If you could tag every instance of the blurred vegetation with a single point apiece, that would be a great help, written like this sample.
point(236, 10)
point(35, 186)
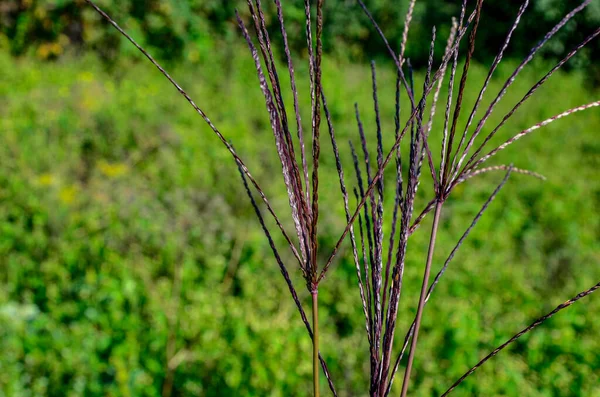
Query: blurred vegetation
point(131, 263)
point(192, 29)
point(130, 260)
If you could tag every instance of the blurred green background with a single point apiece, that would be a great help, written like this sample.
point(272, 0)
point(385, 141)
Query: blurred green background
point(131, 263)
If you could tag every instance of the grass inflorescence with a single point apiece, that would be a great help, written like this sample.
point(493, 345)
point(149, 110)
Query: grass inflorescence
point(379, 260)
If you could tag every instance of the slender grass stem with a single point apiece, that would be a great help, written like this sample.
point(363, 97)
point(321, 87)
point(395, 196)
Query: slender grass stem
point(413, 345)
point(315, 314)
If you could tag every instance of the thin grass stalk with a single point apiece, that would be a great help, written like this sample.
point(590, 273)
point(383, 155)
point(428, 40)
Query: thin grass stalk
point(417, 222)
point(276, 86)
point(413, 347)
point(368, 217)
point(371, 186)
point(367, 162)
point(533, 325)
point(414, 139)
point(398, 195)
point(418, 138)
point(407, 213)
point(315, 190)
point(417, 154)
point(198, 110)
point(379, 134)
point(370, 231)
point(378, 222)
point(315, 318)
point(464, 236)
point(281, 145)
point(399, 180)
point(398, 270)
point(372, 238)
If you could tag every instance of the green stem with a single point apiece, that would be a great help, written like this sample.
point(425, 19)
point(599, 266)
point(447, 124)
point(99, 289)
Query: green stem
point(424, 287)
point(315, 314)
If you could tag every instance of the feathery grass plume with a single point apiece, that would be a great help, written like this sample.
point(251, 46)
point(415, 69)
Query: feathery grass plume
point(409, 122)
point(294, 90)
point(284, 272)
point(407, 21)
point(501, 168)
point(303, 214)
point(529, 93)
point(283, 150)
point(449, 176)
point(462, 85)
point(379, 276)
point(514, 75)
point(488, 78)
point(450, 94)
point(423, 130)
point(436, 95)
point(304, 219)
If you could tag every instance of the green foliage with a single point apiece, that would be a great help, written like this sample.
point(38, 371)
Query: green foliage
point(190, 29)
point(129, 253)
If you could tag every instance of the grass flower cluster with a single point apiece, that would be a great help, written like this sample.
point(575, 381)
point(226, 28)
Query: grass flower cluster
point(444, 155)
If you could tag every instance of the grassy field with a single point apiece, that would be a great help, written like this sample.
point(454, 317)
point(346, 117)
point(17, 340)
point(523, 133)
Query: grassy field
point(131, 263)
